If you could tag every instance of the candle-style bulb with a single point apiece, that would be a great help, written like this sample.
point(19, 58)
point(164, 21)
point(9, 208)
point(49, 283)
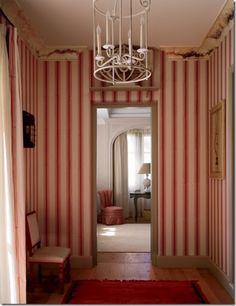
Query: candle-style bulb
point(108, 16)
point(98, 30)
point(141, 31)
point(129, 42)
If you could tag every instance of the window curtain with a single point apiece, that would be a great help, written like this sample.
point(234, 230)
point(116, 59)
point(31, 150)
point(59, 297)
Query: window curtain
point(12, 198)
point(135, 159)
point(120, 173)
point(136, 156)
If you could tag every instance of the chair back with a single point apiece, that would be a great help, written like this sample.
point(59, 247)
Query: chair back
point(105, 198)
point(32, 231)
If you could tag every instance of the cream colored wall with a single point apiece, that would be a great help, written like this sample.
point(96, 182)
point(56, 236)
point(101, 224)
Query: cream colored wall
point(106, 134)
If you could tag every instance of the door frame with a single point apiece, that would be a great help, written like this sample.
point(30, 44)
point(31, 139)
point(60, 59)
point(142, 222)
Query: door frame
point(154, 206)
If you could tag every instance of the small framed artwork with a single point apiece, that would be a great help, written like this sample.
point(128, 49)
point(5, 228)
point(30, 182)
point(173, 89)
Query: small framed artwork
point(217, 141)
point(28, 130)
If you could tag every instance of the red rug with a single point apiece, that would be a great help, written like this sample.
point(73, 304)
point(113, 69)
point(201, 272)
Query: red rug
point(135, 292)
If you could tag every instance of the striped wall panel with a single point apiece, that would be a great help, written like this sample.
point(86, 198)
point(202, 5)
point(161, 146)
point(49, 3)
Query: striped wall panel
point(63, 128)
point(193, 209)
point(220, 233)
point(29, 99)
point(183, 157)
point(57, 175)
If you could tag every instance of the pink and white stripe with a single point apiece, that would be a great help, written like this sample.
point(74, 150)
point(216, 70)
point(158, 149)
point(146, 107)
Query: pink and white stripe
point(193, 210)
point(220, 233)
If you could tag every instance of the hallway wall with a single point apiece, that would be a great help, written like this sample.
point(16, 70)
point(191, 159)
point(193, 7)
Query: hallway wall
point(193, 211)
point(220, 191)
point(183, 158)
point(57, 169)
point(29, 77)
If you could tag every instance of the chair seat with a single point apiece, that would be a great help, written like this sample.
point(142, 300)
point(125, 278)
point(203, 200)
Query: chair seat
point(112, 215)
point(50, 255)
point(112, 209)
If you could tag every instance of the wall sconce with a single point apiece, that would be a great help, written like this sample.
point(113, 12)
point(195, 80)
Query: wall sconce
point(28, 130)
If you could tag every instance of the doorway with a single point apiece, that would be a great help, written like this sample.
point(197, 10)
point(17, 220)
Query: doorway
point(116, 126)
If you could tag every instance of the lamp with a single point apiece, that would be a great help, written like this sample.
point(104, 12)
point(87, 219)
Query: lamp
point(146, 169)
point(116, 59)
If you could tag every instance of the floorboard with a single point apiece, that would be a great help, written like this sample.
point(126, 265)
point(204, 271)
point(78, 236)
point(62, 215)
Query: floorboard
point(135, 266)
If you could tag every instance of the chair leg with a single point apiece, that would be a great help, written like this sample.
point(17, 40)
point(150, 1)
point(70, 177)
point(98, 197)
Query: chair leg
point(67, 270)
point(31, 278)
point(61, 278)
point(40, 272)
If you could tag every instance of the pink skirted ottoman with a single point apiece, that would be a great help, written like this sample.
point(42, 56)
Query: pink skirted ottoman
point(112, 215)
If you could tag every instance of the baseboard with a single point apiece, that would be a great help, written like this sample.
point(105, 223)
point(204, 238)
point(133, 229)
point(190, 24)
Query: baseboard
point(196, 262)
point(222, 278)
point(182, 261)
point(81, 261)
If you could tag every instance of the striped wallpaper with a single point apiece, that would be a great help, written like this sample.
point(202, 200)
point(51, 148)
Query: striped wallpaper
point(193, 210)
point(183, 158)
point(220, 206)
point(29, 77)
point(56, 180)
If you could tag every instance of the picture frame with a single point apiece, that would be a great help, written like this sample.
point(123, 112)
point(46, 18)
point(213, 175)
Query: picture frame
point(28, 130)
point(217, 141)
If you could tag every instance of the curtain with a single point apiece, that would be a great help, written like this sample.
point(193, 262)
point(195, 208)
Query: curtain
point(131, 149)
point(12, 217)
point(18, 161)
point(135, 159)
point(139, 151)
point(120, 173)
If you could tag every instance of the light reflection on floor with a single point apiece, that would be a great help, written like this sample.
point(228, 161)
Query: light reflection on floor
point(123, 238)
point(111, 231)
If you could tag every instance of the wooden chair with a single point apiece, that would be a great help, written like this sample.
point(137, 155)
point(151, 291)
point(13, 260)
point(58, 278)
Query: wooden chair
point(110, 214)
point(38, 255)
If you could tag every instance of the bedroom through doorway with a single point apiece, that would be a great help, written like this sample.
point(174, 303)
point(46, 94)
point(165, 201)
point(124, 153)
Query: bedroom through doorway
point(124, 146)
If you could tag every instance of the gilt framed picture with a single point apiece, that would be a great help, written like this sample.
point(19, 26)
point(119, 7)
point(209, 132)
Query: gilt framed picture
point(217, 141)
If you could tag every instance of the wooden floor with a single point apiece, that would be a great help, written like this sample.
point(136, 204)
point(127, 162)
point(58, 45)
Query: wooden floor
point(128, 266)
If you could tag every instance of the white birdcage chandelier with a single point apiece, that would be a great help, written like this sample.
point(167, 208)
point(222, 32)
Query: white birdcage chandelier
point(117, 59)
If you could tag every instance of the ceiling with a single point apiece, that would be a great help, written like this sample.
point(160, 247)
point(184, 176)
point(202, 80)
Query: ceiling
point(172, 23)
point(137, 112)
point(105, 114)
